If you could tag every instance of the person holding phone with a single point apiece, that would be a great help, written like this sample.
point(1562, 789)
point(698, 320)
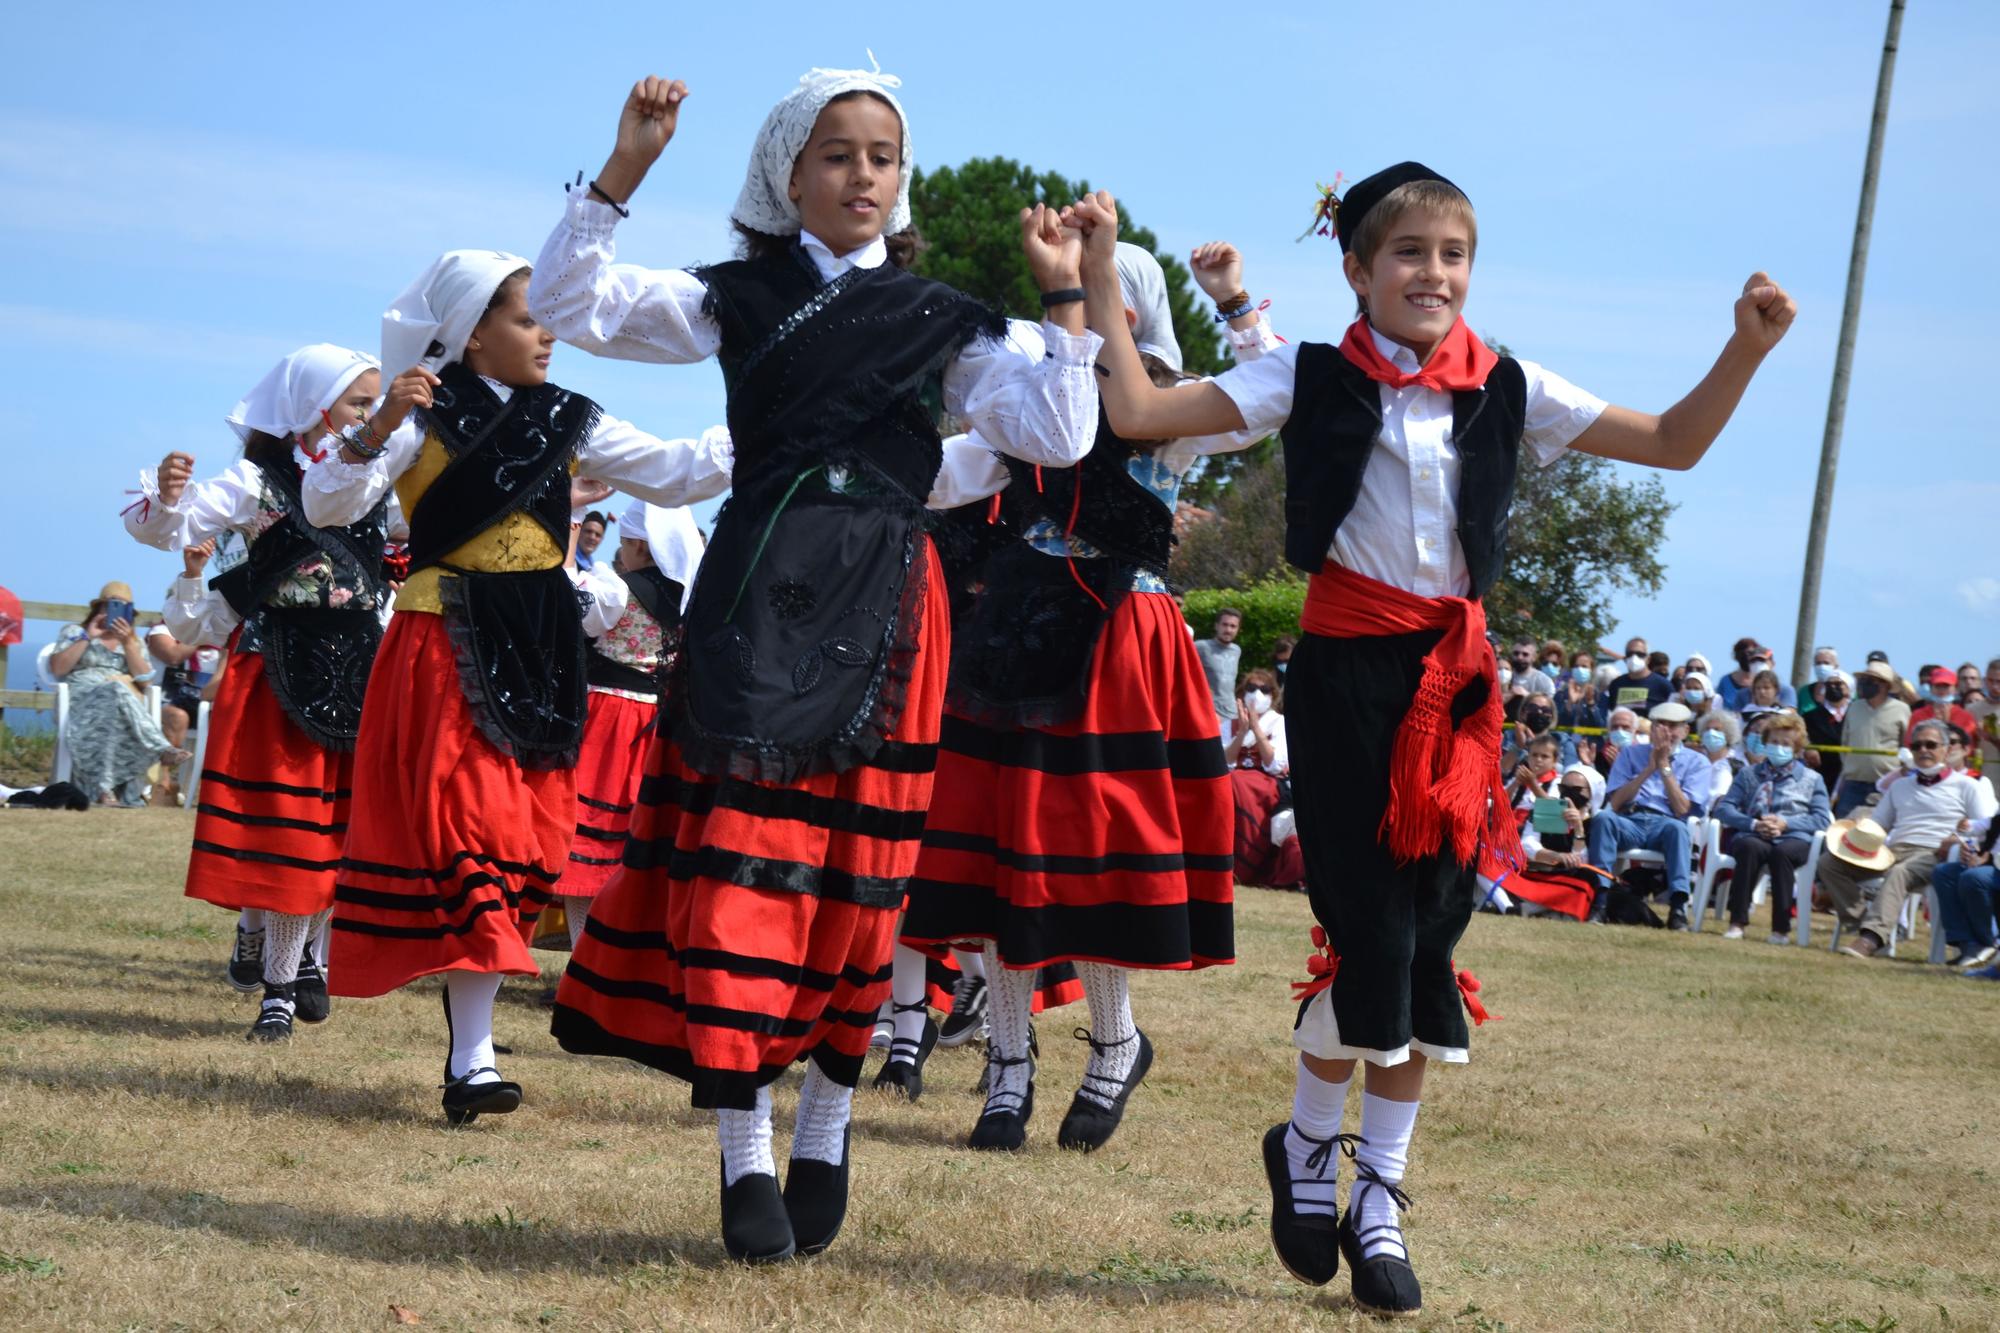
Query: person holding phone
point(113, 741)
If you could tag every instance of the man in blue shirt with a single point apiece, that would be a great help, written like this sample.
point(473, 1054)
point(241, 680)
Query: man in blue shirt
point(1653, 787)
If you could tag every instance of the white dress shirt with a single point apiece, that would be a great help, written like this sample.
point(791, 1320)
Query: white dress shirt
point(1403, 529)
point(1033, 394)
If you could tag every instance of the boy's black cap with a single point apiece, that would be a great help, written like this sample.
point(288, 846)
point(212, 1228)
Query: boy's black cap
point(1364, 194)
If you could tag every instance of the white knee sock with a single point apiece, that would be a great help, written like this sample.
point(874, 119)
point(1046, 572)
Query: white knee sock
point(820, 1132)
point(321, 942)
point(469, 1016)
point(746, 1140)
point(1318, 1107)
point(1114, 1040)
point(906, 992)
point(284, 939)
point(576, 911)
point(1009, 1010)
point(1386, 1128)
point(251, 920)
point(969, 963)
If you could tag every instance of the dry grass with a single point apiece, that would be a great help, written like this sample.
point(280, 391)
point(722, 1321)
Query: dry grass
point(1661, 1133)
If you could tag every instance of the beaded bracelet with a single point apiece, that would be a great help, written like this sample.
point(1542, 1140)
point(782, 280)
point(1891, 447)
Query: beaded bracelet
point(1241, 307)
point(352, 439)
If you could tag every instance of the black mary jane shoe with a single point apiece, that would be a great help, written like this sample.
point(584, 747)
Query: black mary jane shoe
point(903, 1071)
point(1384, 1285)
point(816, 1197)
point(1089, 1126)
point(309, 991)
point(274, 1019)
point(1308, 1244)
point(1003, 1127)
point(465, 1101)
point(755, 1227)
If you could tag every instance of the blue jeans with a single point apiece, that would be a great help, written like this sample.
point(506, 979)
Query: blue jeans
point(1851, 797)
point(1611, 833)
point(1965, 900)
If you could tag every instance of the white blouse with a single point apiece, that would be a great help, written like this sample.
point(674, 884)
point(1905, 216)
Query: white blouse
point(608, 597)
point(194, 615)
point(1403, 529)
point(1033, 394)
point(666, 472)
point(227, 502)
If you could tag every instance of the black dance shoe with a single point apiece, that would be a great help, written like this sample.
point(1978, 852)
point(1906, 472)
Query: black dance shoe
point(1003, 1124)
point(903, 1072)
point(310, 992)
point(755, 1227)
point(465, 1101)
point(1308, 1244)
point(1385, 1284)
point(816, 1198)
point(1088, 1126)
point(274, 1020)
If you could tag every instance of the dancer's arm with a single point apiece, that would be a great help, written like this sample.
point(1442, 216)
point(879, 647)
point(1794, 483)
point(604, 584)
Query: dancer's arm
point(670, 473)
point(173, 513)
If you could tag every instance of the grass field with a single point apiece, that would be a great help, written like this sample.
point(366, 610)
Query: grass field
point(1661, 1132)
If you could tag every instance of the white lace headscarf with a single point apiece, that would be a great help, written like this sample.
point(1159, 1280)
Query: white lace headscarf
point(289, 399)
point(1144, 285)
point(766, 203)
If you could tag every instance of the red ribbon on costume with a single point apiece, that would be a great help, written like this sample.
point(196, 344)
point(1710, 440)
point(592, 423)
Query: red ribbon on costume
point(1468, 991)
point(1444, 783)
point(1323, 965)
point(1461, 361)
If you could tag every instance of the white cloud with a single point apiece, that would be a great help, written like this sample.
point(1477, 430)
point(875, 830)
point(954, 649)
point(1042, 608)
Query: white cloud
point(1981, 595)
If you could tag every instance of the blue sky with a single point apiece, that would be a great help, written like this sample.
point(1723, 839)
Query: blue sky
point(188, 192)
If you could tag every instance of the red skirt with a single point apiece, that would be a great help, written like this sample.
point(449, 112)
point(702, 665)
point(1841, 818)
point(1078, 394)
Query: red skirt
point(609, 765)
point(752, 922)
point(453, 848)
point(1259, 860)
point(273, 807)
point(1108, 839)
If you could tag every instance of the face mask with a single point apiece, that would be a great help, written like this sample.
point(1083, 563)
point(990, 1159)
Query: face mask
point(1928, 769)
point(1618, 736)
point(1636, 663)
point(1759, 664)
point(1870, 687)
point(1581, 675)
point(1754, 746)
point(1506, 677)
point(1259, 701)
point(1553, 666)
point(1713, 741)
point(1279, 669)
point(1777, 756)
point(1942, 698)
point(1694, 696)
point(1538, 718)
point(1823, 671)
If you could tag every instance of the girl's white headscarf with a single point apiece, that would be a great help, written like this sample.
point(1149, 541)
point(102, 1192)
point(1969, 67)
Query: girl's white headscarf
point(671, 536)
point(766, 204)
point(1144, 285)
point(290, 398)
point(430, 322)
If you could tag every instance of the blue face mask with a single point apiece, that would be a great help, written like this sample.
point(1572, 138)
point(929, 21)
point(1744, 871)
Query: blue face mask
point(1694, 696)
point(1777, 756)
point(1754, 746)
point(1581, 675)
point(1713, 740)
point(1618, 736)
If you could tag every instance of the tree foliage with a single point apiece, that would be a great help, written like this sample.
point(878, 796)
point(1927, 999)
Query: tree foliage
point(1243, 539)
point(1270, 608)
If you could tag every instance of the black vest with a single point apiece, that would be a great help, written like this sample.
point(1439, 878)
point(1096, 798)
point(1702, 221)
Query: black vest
point(1336, 419)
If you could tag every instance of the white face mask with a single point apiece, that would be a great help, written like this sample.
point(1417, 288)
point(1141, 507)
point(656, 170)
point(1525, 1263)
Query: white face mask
point(1823, 671)
point(1928, 769)
point(1259, 701)
point(1506, 676)
point(1636, 663)
point(1618, 737)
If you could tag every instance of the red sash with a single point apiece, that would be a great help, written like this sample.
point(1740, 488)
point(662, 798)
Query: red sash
point(1444, 784)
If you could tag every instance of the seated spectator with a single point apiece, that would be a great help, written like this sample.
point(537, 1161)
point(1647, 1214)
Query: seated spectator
point(1696, 694)
point(1752, 660)
point(1771, 812)
point(1621, 729)
point(1767, 694)
point(1555, 877)
point(1915, 824)
point(1872, 731)
point(1653, 788)
point(1537, 717)
point(1259, 764)
point(1521, 659)
point(1576, 695)
point(1555, 659)
point(1534, 777)
point(1967, 891)
point(1828, 699)
point(113, 740)
point(180, 693)
point(1643, 687)
point(1258, 739)
point(1826, 665)
point(1940, 701)
point(1281, 659)
point(1720, 736)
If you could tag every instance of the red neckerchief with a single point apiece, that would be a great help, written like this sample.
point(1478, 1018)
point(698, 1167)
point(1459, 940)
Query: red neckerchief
point(1461, 361)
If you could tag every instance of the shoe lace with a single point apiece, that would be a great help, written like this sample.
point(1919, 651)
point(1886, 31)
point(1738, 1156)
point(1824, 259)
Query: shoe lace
point(1323, 1150)
point(998, 1100)
point(962, 992)
point(904, 1049)
point(1366, 1177)
point(1109, 1087)
point(250, 946)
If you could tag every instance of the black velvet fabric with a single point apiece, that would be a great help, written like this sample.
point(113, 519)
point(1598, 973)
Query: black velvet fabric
point(1116, 515)
point(1024, 657)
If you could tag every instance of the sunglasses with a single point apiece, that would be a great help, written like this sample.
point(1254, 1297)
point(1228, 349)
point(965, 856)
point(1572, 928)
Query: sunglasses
point(1925, 745)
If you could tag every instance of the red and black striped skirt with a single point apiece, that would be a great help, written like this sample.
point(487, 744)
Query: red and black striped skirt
point(1108, 839)
point(273, 806)
point(452, 847)
point(609, 764)
point(752, 922)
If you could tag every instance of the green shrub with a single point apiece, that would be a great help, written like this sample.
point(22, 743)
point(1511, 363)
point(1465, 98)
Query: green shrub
point(1270, 608)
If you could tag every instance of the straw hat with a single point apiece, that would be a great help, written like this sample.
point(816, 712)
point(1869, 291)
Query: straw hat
point(1859, 842)
point(1881, 671)
point(121, 591)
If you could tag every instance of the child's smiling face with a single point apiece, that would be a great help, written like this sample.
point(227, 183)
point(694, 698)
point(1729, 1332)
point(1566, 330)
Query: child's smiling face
point(847, 179)
point(1415, 285)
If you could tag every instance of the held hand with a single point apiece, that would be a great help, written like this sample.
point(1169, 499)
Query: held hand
point(1097, 216)
point(176, 469)
point(1218, 269)
point(1764, 312)
point(587, 491)
point(647, 122)
point(408, 390)
point(1054, 252)
point(195, 558)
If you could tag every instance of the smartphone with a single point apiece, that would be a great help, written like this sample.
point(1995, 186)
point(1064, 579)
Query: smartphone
point(1547, 815)
point(117, 608)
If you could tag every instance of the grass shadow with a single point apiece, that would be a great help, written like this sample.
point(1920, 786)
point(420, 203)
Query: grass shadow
point(130, 1023)
point(266, 1093)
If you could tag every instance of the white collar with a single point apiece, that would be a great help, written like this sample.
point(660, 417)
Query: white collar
point(872, 255)
point(504, 392)
point(1399, 356)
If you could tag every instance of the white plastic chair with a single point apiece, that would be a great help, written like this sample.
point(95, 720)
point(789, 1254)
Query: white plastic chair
point(51, 681)
point(1637, 856)
point(1906, 920)
point(191, 770)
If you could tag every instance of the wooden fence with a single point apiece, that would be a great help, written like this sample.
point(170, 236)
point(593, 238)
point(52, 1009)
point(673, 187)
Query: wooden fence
point(62, 613)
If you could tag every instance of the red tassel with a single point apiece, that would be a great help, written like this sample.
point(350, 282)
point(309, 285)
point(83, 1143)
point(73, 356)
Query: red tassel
point(1322, 966)
point(993, 510)
point(1468, 991)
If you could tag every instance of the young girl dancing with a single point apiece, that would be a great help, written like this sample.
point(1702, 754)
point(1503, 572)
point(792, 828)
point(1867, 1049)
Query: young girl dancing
point(1083, 810)
point(277, 776)
point(752, 923)
point(465, 798)
point(1401, 447)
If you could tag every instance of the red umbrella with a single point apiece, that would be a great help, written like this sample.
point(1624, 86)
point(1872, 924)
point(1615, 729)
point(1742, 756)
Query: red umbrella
point(10, 618)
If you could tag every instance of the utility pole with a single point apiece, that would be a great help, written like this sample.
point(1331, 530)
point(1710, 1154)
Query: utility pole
point(1843, 360)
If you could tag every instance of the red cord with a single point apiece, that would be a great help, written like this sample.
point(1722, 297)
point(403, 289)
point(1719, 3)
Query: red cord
point(1075, 506)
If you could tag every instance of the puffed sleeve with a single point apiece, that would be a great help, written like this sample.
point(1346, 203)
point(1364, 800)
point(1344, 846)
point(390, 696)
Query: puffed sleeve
point(608, 597)
point(336, 492)
point(971, 471)
point(195, 615)
point(670, 473)
point(223, 503)
point(1032, 394)
point(584, 297)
